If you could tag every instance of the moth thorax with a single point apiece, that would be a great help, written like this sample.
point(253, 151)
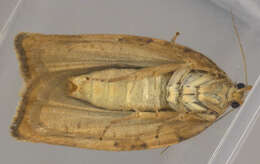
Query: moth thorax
point(197, 91)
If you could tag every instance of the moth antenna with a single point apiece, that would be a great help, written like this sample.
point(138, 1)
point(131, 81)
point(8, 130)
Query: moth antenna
point(241, 48)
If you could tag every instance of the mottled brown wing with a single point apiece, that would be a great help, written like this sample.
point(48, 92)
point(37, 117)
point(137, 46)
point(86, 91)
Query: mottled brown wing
point(40, 53)
point(47, 114)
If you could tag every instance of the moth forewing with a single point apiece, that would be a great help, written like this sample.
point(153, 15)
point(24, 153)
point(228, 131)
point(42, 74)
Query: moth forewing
point(85, 90)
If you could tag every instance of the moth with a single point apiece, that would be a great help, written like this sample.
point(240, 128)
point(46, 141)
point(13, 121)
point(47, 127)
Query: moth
point(117, 92)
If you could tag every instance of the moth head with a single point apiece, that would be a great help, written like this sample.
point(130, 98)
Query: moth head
point(237, 94)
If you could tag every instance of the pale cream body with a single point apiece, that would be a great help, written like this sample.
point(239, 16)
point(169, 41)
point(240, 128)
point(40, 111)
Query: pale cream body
point(147, 94)
point(183, 91)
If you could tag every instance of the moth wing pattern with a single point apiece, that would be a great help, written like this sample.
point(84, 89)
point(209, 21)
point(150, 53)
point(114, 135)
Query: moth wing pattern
point(47, 114)
point(41, 53)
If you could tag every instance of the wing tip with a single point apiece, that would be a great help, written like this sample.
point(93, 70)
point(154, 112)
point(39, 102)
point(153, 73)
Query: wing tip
point(19, 115)
point(14, 128)
point(21, 55)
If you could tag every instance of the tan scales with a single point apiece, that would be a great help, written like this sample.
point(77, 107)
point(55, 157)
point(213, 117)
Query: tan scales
point(117, 92)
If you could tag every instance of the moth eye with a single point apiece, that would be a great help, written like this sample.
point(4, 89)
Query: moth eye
point(240, 85)
point(235, 104)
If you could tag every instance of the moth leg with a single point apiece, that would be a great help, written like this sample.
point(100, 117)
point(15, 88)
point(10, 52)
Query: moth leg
point(173, 41)
point(132, 116)
point(150, 71)
point(164, 150)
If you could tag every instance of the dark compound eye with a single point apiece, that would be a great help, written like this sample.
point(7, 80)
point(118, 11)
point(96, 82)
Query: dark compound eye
point(240, 85)
point(235, 104)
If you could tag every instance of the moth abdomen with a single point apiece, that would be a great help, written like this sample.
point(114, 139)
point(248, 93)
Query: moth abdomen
point(147, 94)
